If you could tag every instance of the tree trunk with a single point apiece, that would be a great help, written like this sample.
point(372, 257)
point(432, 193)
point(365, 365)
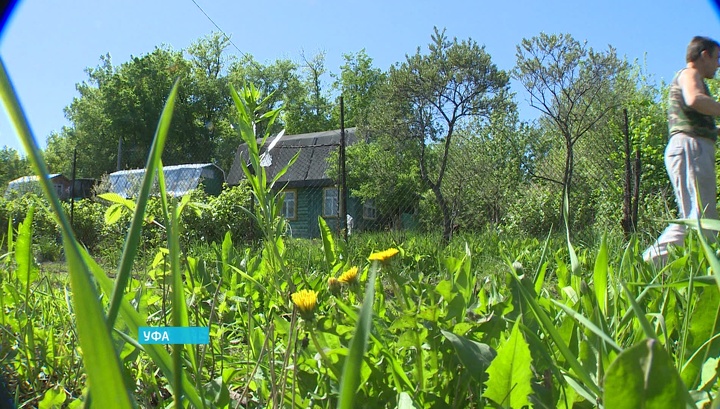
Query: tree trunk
point(627, 221)
point(567, 182)
point(447, 217)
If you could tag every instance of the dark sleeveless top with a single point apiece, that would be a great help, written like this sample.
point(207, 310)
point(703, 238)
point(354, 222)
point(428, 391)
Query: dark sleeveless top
point(683, 119)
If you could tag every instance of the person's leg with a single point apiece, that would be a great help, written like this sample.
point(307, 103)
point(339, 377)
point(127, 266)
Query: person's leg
point(679, 158)
point(704, 176)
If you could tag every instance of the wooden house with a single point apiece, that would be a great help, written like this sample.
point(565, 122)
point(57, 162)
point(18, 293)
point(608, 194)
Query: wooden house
point(309, 190)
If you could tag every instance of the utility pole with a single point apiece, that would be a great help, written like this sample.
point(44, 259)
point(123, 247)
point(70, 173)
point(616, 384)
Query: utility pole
point(343, 183)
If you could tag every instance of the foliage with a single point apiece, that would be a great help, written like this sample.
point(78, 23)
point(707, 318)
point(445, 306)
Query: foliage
point(12, 166)
point(572, 85)
point(358, 83)
point(428, 98)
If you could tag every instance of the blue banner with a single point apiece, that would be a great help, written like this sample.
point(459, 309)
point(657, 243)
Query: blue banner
point(174, 335)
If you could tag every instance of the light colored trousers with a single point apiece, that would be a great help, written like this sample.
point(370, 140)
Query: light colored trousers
point(689, 161)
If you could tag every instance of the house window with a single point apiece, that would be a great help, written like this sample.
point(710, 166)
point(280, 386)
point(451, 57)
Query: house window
point(289, 208)
point(331, 205)
point(369, 210)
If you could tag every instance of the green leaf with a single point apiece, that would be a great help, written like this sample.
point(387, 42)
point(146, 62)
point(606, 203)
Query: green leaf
point(113, 213)
point(405, 401)
point(117, 199)
point(704, 323)
point(476, 357)
point(352, 368)
point(328, 243)
point(639, 313)
point(643, 376)
point(600, 276)
point(554, 334)
point(510, 373)
point(53, 398)
point(26, 272)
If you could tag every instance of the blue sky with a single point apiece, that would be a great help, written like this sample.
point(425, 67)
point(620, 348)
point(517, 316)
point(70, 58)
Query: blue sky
point(47, 44)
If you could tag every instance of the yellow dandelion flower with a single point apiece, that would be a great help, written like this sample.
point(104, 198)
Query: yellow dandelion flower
point(305, 300)
point(349, 276)
point(333, 284)
point(383, 255)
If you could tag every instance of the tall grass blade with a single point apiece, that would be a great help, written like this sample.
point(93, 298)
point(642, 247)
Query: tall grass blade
point(353, 363)
point(134, 321)
point(132, 242)
point(551, 330)
point(102, 364)
point(574, 262)
point(587, 323)
point(328, 244)
point(639, 313)
point(542, 267)
point(23, 252)
point(600, 276)
point(709, 253)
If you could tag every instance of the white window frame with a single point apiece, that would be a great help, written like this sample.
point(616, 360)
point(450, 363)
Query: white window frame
point(335, 204)
point(369, 210)
point(286, 205)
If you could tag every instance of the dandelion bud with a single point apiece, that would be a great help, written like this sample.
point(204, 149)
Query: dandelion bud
point(333, 285)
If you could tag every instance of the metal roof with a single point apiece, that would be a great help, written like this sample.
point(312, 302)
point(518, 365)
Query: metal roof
point(311, 166)
point(179, 179)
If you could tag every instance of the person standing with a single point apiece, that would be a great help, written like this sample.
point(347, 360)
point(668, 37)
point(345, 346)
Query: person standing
point(690, 152)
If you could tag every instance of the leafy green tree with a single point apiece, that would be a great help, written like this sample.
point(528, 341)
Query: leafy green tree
point(566, 81)
point(118, 110)
point(388, 176)
point(12, 166)
point(210, 99)
point(429, 97)
point(486, 171)
point(311, 110)
point(279, 82)
point(358, 83)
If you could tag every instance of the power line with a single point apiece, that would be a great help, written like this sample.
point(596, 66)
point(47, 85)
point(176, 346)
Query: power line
point(221, 30)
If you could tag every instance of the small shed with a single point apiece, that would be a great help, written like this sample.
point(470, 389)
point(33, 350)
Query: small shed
point(309, 191)
point(84, 187)
point(179, 180)
point(31, 184)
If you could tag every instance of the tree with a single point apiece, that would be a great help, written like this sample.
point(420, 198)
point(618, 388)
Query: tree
point(566, 80)
point(428, 97)
point(380, 173)
point(486, 172)
point(310, 110)
point(279, 82)
point(210, 100)
point(118, 111)
point(358, 84)
point(12, 166)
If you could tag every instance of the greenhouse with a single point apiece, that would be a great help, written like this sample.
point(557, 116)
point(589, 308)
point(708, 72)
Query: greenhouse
point(179, 180)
